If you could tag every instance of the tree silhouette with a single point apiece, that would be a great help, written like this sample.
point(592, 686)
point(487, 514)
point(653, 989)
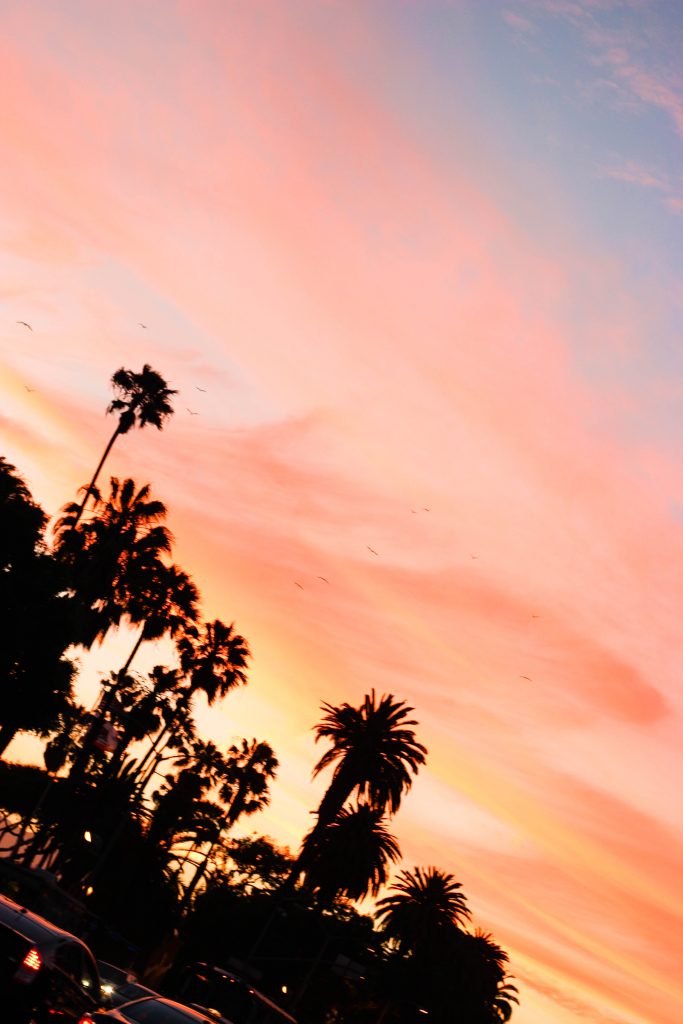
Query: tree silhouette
point(351, 856)
point(139, 399)
point(246, 775)
point(374, 751)
point(214, 659)
point(113, 557)
point(37, 618)
point(421, 906)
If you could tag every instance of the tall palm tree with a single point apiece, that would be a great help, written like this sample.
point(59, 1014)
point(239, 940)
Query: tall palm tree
point(143, 707)
point(139, 399)
point(168, 606)
point(374, 751)
point(214, 660)
point(112, 555)
point(375, 754)
point(421, 906)
point(351, 856)
point(249, 768)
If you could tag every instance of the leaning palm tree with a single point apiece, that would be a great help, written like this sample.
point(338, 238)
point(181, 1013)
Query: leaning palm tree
point(422, 905)
point(139, 399)
point(213, 659)
point(351, 856)
point(141, 711)
point(375, 754)
point(165, 601)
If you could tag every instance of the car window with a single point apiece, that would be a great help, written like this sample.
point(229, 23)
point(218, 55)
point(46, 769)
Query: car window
point(152, 1011)
point(68, 960)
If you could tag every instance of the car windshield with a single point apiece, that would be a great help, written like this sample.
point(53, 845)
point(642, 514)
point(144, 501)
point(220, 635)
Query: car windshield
point(153, 1011)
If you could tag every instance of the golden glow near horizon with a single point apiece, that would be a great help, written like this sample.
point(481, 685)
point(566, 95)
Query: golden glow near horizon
point(415, 273)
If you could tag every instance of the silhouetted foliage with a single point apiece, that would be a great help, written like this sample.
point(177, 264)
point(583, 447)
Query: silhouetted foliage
point(36, 614)
point(135, 850)
point(139, 399)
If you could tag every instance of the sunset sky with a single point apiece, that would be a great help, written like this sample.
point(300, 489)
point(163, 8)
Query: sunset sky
point(424, 258)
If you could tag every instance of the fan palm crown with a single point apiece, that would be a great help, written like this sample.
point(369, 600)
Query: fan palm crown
point(421, 905)
point(248, 770)
point(374, 750)
point(215, 659)
point(351, 856)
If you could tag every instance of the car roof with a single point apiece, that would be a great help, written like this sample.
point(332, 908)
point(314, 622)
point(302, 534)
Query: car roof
point(167, 1002)
point(261, 996)
point(32, 926)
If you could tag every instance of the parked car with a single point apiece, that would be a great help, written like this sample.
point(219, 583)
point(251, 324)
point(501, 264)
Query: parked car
point(128, 992)
point(120, 985)
point(152, 1010)
point(46, 974)
point(205, 985)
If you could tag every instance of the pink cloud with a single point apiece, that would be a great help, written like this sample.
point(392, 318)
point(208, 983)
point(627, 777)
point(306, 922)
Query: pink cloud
point(379, 326)
point(636, 175)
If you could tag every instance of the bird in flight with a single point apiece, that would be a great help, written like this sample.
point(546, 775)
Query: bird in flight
point(528, 679)
point(192, 413)
point(298, 585)
point(24, 324)
point(425, 509)
point(142, 325)
point(323, 579)
point(535, 616)
point(371, 549)
point(203, 390)
point(30, 390)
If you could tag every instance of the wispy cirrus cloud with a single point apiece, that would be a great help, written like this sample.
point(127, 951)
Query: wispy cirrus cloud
point(634, 174)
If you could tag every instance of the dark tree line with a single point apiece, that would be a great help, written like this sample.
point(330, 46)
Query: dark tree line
point(136, 811)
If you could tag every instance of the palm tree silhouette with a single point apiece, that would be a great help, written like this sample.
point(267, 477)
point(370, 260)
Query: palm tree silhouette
point(140, 399)
point(485, 985)
point(350, 857)
point(375, 753)
point(113, 555)
point(143, 707)
point(247, 772)
point(421, 906)
point(214, 659)
point(118, 572)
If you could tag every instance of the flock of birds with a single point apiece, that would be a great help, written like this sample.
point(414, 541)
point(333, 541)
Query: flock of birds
point(414, 511)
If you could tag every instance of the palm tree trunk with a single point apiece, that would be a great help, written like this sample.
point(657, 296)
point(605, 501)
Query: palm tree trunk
point(166, 730)
point(151, 750)
point(97, 473)
point(198, 875)
point(96, 724)
point(29, 816)
point(338, 792)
